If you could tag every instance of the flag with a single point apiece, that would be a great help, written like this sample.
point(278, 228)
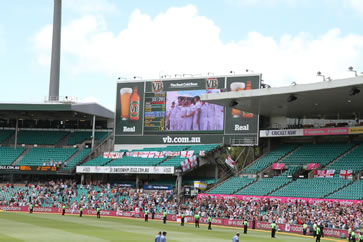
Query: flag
point(147, 155)
point(113, 155)
point(325, 173)
point(159, 155)
point(189, 163)
point(346, 174)
point(172, 153)
point(186, 153)
point(230, 162)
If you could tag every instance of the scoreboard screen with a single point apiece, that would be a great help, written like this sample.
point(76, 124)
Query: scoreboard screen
point(154, 112)
point(170, 111)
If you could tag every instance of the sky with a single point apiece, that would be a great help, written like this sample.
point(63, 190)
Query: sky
point(285, 40)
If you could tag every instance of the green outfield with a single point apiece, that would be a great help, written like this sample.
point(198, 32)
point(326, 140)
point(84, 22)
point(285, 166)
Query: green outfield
point(54, 227)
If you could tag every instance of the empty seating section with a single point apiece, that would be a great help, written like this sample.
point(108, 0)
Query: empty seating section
point(98, 161)
point(231, 185)
point(79, 137)
point(40, 137)
point(264, 186)
point(269, 158)
point(291, 170)
point(77, 159)
point(5, 134)
point(172, 161)
point(316, 153)
point(8, 154)
point(311, 188)
point(351, 161)
point(353, 191)
point(38, 156)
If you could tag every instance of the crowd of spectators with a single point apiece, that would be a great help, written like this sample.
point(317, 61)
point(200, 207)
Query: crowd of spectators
point(119, 198)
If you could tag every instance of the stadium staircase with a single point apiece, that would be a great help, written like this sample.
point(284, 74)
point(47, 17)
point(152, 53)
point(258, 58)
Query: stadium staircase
point(6, 136)
point(63, 141)
point(27, 149)
point(265, 161)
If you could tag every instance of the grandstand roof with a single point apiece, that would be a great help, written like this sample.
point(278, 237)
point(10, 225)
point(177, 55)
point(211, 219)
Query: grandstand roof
point(70, 111)
point(329, 99)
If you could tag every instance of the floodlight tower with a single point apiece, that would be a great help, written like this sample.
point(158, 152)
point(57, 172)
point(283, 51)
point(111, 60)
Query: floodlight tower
point(56, 46)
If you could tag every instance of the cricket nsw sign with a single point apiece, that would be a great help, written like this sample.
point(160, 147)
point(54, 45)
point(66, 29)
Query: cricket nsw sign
point(126, 169)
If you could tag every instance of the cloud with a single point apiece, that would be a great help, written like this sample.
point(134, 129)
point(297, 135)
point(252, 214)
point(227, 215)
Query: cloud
point(355, 4)
point(179, 40)
point(91, 6)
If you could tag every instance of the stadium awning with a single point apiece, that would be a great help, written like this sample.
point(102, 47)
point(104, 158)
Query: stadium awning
point(330, 99)
point(71, 111)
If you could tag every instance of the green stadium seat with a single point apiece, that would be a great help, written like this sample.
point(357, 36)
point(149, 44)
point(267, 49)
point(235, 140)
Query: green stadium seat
point(40, 137)
point(231, 185)
point(5, 134)
point(264, 186)
point(352, 191)
point(8, 154)
point(37, 156)
point(311, 188)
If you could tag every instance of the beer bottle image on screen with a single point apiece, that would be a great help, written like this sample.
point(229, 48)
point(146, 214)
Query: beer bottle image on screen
point(245, 114)
point(236, 87)
point(125, 95)
point(135, 105)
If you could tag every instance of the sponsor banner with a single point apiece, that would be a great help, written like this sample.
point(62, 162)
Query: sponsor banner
point(247, 140)
point(326, 131)
point(278, 166)
point(112, 155)
point(281, 133)
point(200, 185)
point(282, 199)
point(29, 168)
point(126, 169)
point(157, 187)
point(129, 108)
point(313, 166)
point(356, 130)
point(238, 121)
point(9, 167)
point(337, 233)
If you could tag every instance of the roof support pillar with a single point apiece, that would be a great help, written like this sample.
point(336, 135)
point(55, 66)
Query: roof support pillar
point(93, 131)
point(16, 133)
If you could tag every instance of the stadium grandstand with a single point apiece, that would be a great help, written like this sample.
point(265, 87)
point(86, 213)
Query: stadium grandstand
point(51, 138)
point(300, 154)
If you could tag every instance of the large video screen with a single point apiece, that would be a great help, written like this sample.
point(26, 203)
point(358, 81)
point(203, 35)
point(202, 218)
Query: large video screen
point(186, 112)
point(172, 112)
